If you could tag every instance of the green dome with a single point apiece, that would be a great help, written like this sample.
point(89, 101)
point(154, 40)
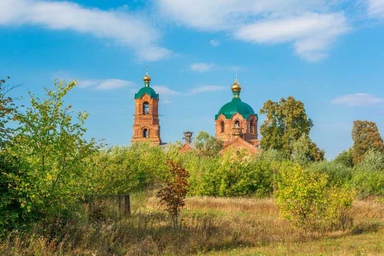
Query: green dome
point(146, 90)
point(235, 106)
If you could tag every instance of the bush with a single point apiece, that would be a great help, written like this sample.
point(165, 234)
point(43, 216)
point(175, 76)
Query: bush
point(368, 183)
point(233, 175)
point(307, 202)
point(338, 173)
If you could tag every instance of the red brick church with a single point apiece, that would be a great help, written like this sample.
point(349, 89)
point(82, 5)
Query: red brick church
point(236, 122)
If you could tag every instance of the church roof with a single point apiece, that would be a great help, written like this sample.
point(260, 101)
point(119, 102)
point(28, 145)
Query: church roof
point(235, 105)
point(239, 144)
point(146, 90)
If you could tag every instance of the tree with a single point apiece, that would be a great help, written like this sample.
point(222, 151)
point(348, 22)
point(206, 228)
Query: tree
point(10, 166)
point(207, 144)
point(175, 190)
point(7, 109)
point(345, 157)
point(52, 149)
point(124, 170)
point(304, 150)
point(365, 136)
point(286, 122)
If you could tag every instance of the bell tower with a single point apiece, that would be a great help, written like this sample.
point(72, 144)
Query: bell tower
point(146, 127)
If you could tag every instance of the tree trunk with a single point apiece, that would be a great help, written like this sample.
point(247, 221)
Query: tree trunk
point(127, 205)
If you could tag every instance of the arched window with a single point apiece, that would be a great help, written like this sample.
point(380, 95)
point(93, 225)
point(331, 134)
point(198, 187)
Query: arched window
point(252, 126)
point(145, 133)
point(145, 108)
point(222, 126)
point(237, 124)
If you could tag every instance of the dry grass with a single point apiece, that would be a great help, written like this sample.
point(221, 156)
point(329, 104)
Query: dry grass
point(209, 226)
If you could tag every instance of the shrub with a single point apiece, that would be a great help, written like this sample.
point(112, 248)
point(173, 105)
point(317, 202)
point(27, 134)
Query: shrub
point(368, 183)
point(307, 202)
point(338, 173)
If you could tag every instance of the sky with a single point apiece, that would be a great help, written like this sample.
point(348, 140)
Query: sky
point(327, 54)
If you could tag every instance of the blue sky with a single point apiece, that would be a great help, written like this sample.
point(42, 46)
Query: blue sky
point(327, 54)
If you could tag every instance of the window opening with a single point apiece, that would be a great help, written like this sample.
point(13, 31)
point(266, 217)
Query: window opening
point(145, 133)
point(221, 126)
point(145, 108)
point(252, 126)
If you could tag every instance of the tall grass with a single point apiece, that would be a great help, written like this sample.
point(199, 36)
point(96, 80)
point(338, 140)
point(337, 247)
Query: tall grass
point(208, 225)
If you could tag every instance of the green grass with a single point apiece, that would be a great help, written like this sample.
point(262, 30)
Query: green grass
point(209, 226)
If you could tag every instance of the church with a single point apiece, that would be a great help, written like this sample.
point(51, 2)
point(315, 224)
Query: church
point(236, 121)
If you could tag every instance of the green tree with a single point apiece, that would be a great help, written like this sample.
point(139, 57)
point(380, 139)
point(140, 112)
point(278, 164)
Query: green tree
point(207, 145)
point(373, 161)
point(7, 109)
point(52, 149)
point(124, 170)
point(345, 157)
point(10, 167)
point(365, 136)
point(304, 151)
point(286, 121)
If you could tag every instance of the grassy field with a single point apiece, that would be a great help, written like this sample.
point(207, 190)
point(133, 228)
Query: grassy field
point(209, 226)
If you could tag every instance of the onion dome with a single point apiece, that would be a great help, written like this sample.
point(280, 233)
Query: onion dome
point(146, 78)
point(146, 89)
point(236, 87)
point(235, 105)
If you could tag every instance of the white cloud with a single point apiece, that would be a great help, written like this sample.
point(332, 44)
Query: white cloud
point(214, 15)
point(214, 42)
point(201, 67)
point(207, 88)
point(164, 90)
point(165, 101)
point(102, 85)
point(124, 28)
point(311, 26)
point(358, 99)
point(375, 8)
point(311, 33)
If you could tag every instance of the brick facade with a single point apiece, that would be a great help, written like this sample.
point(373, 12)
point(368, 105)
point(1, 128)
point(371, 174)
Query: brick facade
point(146, 127)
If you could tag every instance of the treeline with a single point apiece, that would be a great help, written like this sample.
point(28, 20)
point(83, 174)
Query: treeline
point(48, 169)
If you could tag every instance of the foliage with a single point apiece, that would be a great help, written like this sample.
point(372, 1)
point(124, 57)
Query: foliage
point(7, 109)
point(286, 121)
point(230, 175)
point(304, 151)
point(13, 213)
point(270, 155)
point(52, 152)
point(306, 201)
point(373, 161)
point(207, 144)
point(345, 158)
point(124, 170)
point(175, 189)
point(365, 136)
point(368, 183)
point(338, 174)
point(368, 175)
